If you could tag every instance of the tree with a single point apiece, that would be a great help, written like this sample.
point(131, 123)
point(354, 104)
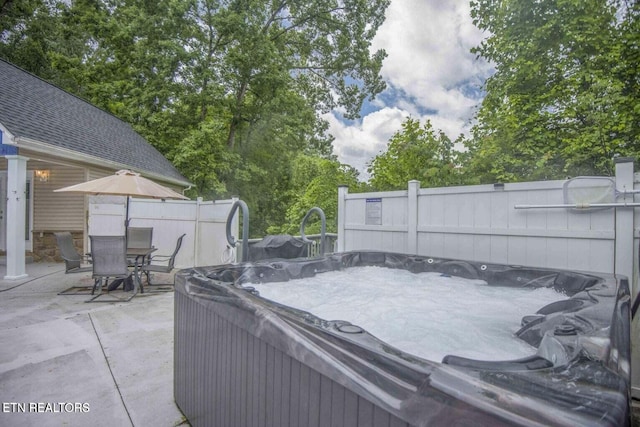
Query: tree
point(321, 48)
point(203, 153)
point(269, 69)
point(314, 182)
point(563, 98)
point(28, 29)
point(231, 91)
point(134, 63)
point(416, 153)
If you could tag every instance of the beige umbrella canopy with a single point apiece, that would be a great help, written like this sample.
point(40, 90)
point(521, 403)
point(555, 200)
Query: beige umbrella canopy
point(124, 183)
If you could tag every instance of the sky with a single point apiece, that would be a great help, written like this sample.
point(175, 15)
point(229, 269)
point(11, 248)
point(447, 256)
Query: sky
point(430, 74)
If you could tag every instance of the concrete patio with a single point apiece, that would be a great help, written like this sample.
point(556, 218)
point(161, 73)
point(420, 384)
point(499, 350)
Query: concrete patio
point(66, 362)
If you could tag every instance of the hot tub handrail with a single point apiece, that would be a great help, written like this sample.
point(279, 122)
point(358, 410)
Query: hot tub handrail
point(245, 228)
point(323, 227)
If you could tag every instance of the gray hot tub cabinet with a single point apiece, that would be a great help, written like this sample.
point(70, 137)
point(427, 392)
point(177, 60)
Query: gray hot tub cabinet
point(241, 360)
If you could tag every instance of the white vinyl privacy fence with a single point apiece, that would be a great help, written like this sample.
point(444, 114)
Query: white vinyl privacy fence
point(516, 224)
point(203, 222)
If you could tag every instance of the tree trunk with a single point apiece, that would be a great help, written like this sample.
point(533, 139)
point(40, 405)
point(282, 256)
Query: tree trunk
point(237, 116)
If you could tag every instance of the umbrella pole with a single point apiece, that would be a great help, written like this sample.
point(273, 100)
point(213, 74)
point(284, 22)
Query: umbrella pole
point(126, 217)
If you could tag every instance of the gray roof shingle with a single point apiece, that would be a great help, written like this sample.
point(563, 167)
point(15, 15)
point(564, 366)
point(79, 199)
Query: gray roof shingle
point(33, 108)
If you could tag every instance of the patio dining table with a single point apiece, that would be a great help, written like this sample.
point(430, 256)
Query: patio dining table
point(140, 255)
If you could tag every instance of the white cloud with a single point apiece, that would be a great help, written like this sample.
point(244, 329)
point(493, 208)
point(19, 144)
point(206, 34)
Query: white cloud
point(429, 62)
point(428, 45)
point(357, 144)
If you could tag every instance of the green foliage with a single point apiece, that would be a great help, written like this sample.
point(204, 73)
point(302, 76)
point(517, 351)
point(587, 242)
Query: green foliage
point(318, 48)
point(314, 182)
point(202, 151)
point(417, 153)
point(230, 91)
point(564, 96)
point(28, 32)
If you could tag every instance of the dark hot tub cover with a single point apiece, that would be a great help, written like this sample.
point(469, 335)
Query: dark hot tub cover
point(277, 246)
point(579, 376)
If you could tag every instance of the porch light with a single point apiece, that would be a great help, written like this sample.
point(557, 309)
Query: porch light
point(42, 174)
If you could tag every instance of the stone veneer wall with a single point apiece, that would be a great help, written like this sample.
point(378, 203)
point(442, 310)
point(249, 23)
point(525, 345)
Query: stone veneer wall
point(45, 248)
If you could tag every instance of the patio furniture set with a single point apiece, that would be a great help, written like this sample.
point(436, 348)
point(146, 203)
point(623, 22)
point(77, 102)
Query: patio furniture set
point(121, 259)
point(113, 257)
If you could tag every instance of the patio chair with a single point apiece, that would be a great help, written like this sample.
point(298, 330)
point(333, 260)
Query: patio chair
point(162, 264)
point(109, 255)
point(73, 262)
point(72, 259)
point(138, 237)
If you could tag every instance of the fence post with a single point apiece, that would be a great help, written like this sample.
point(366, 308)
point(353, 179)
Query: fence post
point(412, 217)
point(624, 255)
point(624, 220)
point(343, 190)
point(197, 237)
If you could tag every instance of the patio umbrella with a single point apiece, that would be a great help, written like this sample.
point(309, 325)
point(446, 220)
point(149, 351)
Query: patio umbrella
point(124, 183)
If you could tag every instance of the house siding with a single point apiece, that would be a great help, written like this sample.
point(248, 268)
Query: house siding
point(58, 211)
point(53, 212)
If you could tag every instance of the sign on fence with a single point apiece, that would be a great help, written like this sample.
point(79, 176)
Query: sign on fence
point(373, 214)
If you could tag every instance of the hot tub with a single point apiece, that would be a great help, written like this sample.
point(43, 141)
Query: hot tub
point(243, 360)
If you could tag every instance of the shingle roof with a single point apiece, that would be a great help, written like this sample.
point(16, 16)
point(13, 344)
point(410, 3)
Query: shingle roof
point(33, 108)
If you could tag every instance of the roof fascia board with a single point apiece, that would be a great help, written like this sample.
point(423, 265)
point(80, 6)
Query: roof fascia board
point(65, 153)
point(11, 140)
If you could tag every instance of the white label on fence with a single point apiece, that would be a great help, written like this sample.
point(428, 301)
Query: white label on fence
point(374, 212)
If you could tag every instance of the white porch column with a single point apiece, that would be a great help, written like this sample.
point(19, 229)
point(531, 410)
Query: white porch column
point(16, 208)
